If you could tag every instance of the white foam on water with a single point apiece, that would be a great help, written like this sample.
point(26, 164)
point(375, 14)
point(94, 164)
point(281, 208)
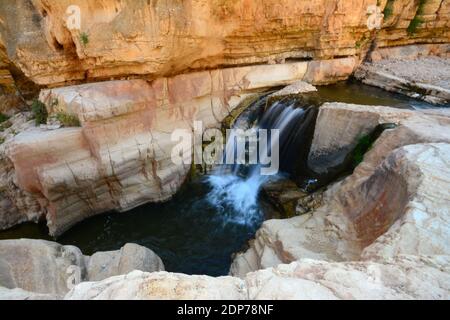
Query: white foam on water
point(236, 197)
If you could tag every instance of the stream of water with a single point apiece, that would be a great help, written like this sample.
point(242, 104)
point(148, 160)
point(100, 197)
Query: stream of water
point(213, 216)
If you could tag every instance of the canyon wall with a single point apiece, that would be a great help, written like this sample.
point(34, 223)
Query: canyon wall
point(135, 70)
point(155, 39)
point(120, 156)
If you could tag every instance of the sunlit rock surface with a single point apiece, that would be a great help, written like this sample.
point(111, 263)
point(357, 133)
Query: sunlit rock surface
point(161, 285)
point(120, 157)
point(156, 39)
point(405, 277)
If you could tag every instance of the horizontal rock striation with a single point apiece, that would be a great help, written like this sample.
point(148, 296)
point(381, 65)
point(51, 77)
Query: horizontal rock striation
point(159, 39)
point(120, 157)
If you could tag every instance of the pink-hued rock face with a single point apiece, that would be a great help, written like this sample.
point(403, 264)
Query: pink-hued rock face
point(120, 157)
point(163, 38)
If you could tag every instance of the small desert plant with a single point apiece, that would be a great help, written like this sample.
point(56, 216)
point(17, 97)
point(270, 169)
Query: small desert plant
point(389, 9)
point(417, 20)
point(84, 38)
point(54, 103)
point(421, 6)
point(68, 120)
point(2, 140)
point(5, 125)
point(361, 42)
point(3, 117)
point(364, 144)
point(40, 112)
point(414, 24)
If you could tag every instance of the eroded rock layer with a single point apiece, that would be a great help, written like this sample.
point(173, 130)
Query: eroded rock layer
point(121, 155)
point(154, 38)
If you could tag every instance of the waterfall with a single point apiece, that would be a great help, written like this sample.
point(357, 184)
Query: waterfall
point(235, 188)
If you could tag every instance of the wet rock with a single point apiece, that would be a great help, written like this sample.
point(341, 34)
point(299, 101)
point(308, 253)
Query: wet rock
point(121, 156)
point(288, 199)
point(284, 195)
point(309, 203)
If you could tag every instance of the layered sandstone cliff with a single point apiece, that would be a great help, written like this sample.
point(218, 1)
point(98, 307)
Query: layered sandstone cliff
point(153, 38)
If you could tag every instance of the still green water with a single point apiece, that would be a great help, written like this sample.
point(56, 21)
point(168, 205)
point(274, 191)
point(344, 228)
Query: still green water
point(189, 233)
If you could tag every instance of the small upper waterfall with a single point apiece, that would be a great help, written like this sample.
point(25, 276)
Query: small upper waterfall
point(235, 188)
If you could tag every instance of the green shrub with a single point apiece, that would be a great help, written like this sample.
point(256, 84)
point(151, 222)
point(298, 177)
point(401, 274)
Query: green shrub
point(3, 117)
point(68, 120)
point(414, 24)
point(40, 112)
point(364, 144)
point(417, 20)
point(362, 42)
point(5, 125)
point(389, 9)
point(2, 140)
point(84, 38)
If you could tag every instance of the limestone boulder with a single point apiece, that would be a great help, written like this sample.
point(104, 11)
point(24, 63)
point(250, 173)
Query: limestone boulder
point(37, 269)
point(121, 155)
point(102, 265)
point(405, 277)
point(160, 286)
point(339, 127)
point(39, 266)
point(396, 201)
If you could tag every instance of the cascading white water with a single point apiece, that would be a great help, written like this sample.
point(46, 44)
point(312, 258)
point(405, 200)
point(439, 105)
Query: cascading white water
point(235, 193)
point(240, 194)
